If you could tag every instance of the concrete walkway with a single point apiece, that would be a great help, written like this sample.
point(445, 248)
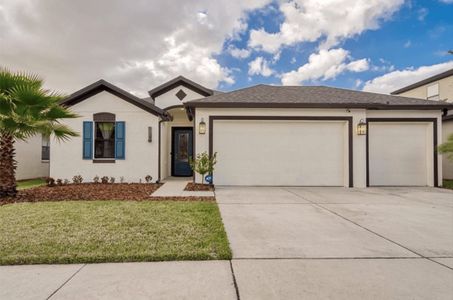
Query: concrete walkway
point(175, 188)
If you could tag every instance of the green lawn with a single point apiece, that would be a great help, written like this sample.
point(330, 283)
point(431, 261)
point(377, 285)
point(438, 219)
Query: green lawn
point(448, 184)
point(111, 231)
point(26, 184)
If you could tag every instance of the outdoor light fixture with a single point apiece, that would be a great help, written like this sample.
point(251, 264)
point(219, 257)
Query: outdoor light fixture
point(150, 134)
point(202, 127)
point(361, 128)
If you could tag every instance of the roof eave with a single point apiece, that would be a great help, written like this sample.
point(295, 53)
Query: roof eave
point(318, 105)
point(103, 85)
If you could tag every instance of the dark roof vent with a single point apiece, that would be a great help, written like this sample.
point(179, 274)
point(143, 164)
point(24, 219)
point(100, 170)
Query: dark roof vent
point(181, 95)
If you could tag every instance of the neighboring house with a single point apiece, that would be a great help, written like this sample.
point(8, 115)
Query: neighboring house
point(32, 158)
point(264, 135)
point(438, 88)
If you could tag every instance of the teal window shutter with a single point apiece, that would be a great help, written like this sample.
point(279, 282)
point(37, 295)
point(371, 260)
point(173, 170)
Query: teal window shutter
point(87, 140)
point(120, 140)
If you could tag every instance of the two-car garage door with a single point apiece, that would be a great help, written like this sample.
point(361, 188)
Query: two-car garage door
point(282, 152)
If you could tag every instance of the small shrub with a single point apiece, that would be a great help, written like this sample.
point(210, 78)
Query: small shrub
point(104, 179)
point(77, 179)
point(112, 180)
point(122, 179)
point(203, 164)
point(65, 182)
point(96, 179)
point(59, 182)
point(148, 178)
point(50, 182)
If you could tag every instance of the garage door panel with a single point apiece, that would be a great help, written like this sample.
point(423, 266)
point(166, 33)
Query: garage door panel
point(280, 152)
point(399, 153)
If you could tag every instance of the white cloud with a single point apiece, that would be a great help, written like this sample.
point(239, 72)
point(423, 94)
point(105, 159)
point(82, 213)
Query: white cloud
point(447, 1)
point(326, 64)
point(422, 13)
point(407, 44)
point(260, 66)
point(239, 53)
point(135, 46)
point(330, 20)
point(397, 79)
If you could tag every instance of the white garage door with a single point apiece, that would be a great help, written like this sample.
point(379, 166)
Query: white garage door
point(400, 154)
point(281, 152)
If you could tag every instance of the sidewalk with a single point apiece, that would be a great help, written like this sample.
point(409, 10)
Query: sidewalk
point(175, 188)
point(155, 280)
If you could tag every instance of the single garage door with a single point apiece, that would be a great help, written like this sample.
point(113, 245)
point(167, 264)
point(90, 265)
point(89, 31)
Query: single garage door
point(281, 152)
point(400, 153)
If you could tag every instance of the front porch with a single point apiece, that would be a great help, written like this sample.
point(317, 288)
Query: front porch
point(176, 146)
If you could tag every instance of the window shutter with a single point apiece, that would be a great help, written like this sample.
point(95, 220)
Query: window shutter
point(120, 140)
point(87, 140)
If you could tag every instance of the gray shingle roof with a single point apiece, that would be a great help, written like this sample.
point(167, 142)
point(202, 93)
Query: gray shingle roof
point(312, 96)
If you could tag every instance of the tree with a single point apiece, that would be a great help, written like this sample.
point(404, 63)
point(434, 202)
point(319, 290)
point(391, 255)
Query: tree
point(447, 147)
point(26, 109)
point(203, 164)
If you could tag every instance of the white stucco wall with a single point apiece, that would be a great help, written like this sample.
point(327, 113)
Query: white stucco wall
point(141, 156)
point(359, 141)
point(169, 98)
point(28, 156)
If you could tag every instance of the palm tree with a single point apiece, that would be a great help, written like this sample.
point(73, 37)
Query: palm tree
point(26, 109)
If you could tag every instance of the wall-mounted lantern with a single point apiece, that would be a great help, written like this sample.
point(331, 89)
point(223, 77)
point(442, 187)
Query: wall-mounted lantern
point(202, 127)
point(361, 128)
point(150, 134)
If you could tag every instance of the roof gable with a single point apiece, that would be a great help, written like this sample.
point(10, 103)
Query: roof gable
point(102, 85)
point(423, 82)
point(175, 82)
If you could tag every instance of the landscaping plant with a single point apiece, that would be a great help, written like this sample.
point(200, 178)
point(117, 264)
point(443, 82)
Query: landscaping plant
point(203, 164)
point(26, 109)
point(447, 148)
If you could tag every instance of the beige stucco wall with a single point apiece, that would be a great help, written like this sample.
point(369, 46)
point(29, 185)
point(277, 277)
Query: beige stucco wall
point(28, 156)
point(169, 98)
point(141, 155)
point(445, 90)
point(359, 141)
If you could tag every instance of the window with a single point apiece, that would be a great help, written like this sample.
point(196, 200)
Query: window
point(432, 92)
point(104, 143)
point(45, 148)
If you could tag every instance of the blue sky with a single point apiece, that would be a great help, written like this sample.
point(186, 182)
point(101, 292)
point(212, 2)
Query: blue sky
point(373, 45)
point(418, 34)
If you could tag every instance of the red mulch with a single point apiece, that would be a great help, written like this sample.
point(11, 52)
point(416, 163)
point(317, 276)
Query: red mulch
point(198, 187)
point(86, 191)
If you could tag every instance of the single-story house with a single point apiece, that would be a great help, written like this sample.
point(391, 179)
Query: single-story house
point(263, 135)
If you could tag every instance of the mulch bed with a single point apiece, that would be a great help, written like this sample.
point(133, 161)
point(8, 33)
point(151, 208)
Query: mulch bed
point(195, 187)
point(87, 191)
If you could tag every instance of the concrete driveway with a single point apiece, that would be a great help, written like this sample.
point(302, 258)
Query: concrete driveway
point(288, 243)
point(340, 243)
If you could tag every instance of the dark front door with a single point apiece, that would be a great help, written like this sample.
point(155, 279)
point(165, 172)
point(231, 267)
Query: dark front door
point(182, 149)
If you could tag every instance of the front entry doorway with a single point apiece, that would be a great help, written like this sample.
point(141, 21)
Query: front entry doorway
point(181, 150)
